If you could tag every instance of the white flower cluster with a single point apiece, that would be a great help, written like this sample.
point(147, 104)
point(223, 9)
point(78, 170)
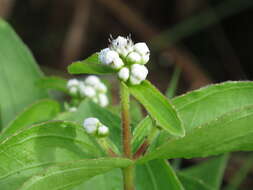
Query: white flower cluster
point(94, 127)
point(128, 58)
point(91, 87)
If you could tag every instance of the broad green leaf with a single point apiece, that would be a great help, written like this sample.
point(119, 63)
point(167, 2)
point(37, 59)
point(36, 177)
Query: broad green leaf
point(111, 180)
point(34, 149)
point(67, 175)
point(206, 104)
point(231, 132)
point(55, 83)
point(156, 175)
point(91, 65)
point(40, 111)
point(191, 183)
point(214, 168)
point(89, 109)
point(18, 75)
point(158, 107)
point(141, 132)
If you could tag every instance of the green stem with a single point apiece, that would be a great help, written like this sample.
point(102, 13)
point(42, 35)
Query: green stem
point(128, 173)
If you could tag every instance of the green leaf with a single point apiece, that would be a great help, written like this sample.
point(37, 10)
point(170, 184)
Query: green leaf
point(91, 65)
point(34, 149)
point(18, 75)
point(191, 183)
point(206, 104)
point(157, 175)
point(158, 107)
point(89, 109)
point(214, 167)
point(40, 111)
point(67, 175)
point(141, 132)
point(55, 83)
point(231, 132)
point(111, 180)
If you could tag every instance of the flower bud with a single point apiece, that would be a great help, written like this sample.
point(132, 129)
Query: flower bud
point(103, 131)
point(103, 100)
point(134, 57)
point(123, 74)
point(138, 74)
point(91, 125)
point(72, 83)
point(141, 48)
point(101, 87)
point(73, 90)
point(92, 80)
point(117, 63)
point(122, 45)
point(87, 91)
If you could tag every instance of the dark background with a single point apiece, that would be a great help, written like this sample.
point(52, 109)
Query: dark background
point(209, 40)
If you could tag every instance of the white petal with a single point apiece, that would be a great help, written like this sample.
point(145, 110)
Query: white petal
point(134, 57)
point(91, 121)
point(92, 80)
point(101, 87)
point(103, 130)
point(88, 91)
point(141, 48)
point(72, 83)
point(117, 63)
point(135, 81)
point(139, 71)
point(102, 53)
point(123, 74)
point(73, 90)
point(110, 56)
point(103, 100)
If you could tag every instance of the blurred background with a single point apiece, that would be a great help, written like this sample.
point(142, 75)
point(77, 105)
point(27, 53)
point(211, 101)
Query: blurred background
point(204, 41)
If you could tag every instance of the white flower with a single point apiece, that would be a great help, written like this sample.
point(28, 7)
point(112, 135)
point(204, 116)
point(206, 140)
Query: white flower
point(138, 74)
point(87, 91)
point(92, 80)
point(103, 131)
point(72, 83)
point(101, 87)
point(122, 45)
point(103, 100)
point(117, 63)
point(73, 90)
point(141, 48)
point(123, 74)
point(102, 53)
point(91, 125)
point(134, 57)
point(72, 109)
point(72, 86)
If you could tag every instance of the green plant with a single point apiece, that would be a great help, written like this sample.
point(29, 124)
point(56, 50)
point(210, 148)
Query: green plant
point(47, 147)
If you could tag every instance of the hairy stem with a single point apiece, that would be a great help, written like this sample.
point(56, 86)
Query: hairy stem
point(128, 173)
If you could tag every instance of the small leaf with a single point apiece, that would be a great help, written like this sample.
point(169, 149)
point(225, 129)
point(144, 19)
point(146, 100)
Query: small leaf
point(158, 107)
point(215, 168)
point(55, 83)
point(91, 65)
point(231, 132)
point(141, 132)
point(40, 111)
point(157, 175)
point(72, 173)
point(206, 104)
point(36, 148)
point(19, 72)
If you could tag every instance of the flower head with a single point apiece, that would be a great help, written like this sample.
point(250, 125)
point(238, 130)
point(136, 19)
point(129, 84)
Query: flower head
point(127, 58)
point(94, 127)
